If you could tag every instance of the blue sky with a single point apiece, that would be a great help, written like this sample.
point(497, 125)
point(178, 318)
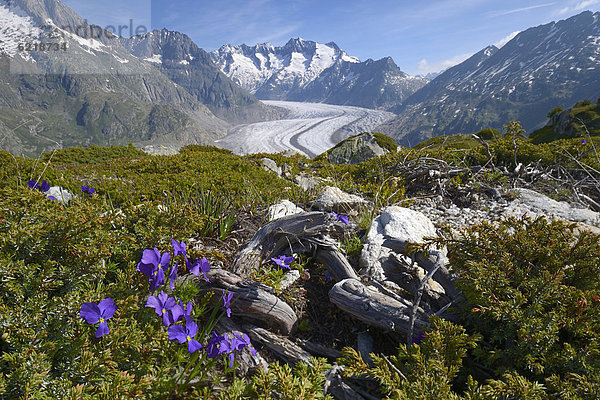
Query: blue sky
point(421, 37)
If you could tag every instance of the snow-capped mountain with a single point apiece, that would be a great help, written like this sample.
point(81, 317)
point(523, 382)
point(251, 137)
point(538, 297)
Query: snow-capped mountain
point(304, 70)
point(540, 68)
point(186, 64)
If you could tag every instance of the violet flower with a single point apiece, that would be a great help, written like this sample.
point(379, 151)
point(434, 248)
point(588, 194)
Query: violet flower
point(42, 187)
point(227, 302)
point(178, 311)
point(185, 334)
point(152, 265)
point(283, 261)
point(342, 218)
point(163, 305)
point(88, 189)
point(101, 312)
point(173, 275)
point(218, 344)
point(201, 265)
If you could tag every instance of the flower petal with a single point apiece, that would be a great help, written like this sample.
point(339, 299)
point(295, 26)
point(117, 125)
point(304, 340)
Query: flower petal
point(151, 256)
point(193, 345)
point(177, 312)
point(90, 312)
point(102, 329)
point(177, 332)
point(107, 308)
point(191, 327)
point(154, 302)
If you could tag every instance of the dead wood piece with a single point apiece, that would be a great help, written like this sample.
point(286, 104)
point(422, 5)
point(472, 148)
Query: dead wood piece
point(252, 300)
point(282, 347)
point(427, 262)
point(319, 350)
point(299, 233)
point(373, 307)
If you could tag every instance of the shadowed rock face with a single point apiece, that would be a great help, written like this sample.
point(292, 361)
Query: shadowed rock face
point(356, 150)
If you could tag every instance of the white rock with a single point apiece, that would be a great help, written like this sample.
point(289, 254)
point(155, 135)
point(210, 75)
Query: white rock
point(282, 209)
point(334, 199)
point(535, 204)
point(60, 194)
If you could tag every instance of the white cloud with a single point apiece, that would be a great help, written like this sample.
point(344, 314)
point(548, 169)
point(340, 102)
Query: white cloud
point(564, 10)
point(424, 67)
point(518, 10)
point(583, 5)
point(506, 39)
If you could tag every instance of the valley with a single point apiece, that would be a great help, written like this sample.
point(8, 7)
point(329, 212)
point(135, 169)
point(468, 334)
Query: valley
point(308, 128)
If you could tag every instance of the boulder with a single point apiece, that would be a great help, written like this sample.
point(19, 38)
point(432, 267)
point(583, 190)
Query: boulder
point(356, 149)
point(535, 204)
point(334, 199)
point(382, 258)
point(270, 165)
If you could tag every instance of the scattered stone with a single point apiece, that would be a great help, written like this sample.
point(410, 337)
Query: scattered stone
point(333, 199)
point(270, 165)
point(289, 279)
point(160, 150)
point(282, 209)
point(60, 194)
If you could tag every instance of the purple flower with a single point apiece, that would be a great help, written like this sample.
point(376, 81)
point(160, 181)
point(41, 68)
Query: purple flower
point(201, 265)
point(178, 247)
point(43, 187)
point(341, 218)
point(218, 344)
point(101, 312)
point(163, 305)
point(227, 302)
point(185, 334)
point(328, 277)
point(152, 265)
point(283, 261)
point(88, 189)
point(584, 141)
point(177, 311)
point(238, 342)
point(51, 198)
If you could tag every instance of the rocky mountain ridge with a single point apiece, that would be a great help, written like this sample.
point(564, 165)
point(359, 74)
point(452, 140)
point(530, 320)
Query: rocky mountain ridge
point(542, 67)
point(308, 71)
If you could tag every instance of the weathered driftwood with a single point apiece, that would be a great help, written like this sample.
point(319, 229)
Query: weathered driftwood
point(373, 307)
point(252, 300)
point(282, 347)
point(439, 263)
point(299, 233)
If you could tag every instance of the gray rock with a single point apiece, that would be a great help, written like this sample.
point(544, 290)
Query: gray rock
point(282, 209)
point(356, 149)
point(160, 150)
point(535, 204)
point(60, 194)
point(270, 165)
point(334, 199)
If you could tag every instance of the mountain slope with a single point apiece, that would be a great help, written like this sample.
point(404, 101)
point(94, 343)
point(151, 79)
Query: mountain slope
point(545, 66)
point(303, 70)
point(90, 90)
point(179, 58)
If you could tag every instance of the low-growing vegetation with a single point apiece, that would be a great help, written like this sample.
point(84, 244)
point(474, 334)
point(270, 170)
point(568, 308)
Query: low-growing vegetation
point(528, 327)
